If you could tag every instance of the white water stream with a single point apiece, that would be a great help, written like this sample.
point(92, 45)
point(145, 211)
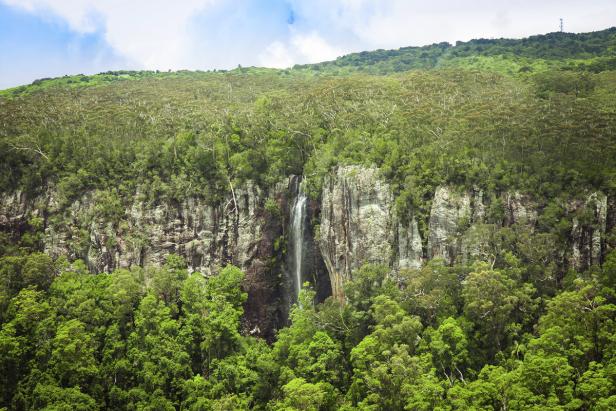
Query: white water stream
point(298, 218)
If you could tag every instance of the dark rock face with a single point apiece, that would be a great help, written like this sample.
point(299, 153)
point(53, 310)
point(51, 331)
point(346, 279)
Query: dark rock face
point(610, 224)
point(310, 263)
point(265, 310)
point(316, 268)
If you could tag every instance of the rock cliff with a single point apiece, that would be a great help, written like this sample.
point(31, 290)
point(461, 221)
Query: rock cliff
point(355, 221)
point(449, 216)
point(240, 231)
point(359, 225)
point(588, 235)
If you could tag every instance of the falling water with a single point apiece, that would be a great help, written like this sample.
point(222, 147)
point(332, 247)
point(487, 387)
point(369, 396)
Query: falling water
point(298, 218)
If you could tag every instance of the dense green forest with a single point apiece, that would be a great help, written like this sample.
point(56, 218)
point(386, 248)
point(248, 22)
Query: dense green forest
point(519, 332)
point(567, 51)
point(464, 337)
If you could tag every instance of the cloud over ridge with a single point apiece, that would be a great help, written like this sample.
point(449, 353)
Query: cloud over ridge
point(206, 34)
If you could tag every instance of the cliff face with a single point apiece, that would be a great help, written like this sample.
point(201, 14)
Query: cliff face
point(355, 223)
point(239, 231)
point(450, 213)
point(409, 245)
point(358, 224)
point(208, 237)
point(588, 235)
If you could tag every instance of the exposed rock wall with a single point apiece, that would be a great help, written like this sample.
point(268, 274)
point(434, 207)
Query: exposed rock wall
point(238, 231)
point(410, 247)
point(588, 235)
point(519, 209)
point(450, 214)
point(14, 210)
point(359, 225)
point(610, 223)
point(355, 222)
point(207, 236)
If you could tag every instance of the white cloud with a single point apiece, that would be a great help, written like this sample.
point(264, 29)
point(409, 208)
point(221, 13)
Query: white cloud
point(161, 34)
point(314, 48)
point(371, 24)
point(276, 55)
point(301, 48)
point(150, 33)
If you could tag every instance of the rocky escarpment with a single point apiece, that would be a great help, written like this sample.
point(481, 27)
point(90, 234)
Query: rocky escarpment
point(360, 225)
point(357, 224)
point(450, 214)
point(589, 229)
point(207, 236)
point(239, 230)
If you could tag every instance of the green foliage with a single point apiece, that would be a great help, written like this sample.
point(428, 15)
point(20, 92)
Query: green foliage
point(449, 348)
point(36, 270)
point(304, 396)
point(432, 292)
point(586, 51)
point(535, 115)
point(50, 397)
point(72, 361)
point(462, 337)
point(498, 307)
point(200, 134)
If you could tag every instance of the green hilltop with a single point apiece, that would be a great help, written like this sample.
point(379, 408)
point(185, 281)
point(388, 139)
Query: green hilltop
point(593, 52)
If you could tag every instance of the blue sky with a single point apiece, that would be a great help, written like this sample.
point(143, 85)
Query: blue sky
point(46, 38)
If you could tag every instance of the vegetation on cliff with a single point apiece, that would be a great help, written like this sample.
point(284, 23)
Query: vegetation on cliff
point(536, 116)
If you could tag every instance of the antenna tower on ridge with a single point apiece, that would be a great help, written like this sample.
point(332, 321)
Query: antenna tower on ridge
point(561, 25)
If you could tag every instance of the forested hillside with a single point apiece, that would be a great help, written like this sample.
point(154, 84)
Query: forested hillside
point(576, 52)
point(147, 246)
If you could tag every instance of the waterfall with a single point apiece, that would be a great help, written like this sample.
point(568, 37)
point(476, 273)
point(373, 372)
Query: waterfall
point(298, 219)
